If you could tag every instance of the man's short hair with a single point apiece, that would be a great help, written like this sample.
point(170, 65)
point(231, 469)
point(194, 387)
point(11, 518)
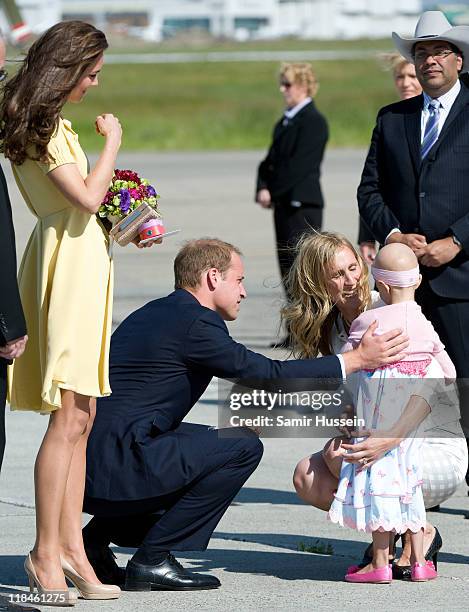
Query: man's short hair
point(198, 256)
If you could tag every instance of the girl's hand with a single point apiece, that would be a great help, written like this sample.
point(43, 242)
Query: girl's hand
point(136, 241)
point(367, 452)
point(108, 126)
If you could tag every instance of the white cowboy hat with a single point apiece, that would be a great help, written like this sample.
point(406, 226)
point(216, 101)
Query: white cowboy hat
point(433, 25)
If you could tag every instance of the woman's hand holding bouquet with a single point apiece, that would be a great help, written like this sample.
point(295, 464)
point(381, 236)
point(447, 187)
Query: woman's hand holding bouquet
point(131, 204)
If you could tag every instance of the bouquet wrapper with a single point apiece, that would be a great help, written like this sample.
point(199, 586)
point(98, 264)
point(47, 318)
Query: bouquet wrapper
point(128, 229)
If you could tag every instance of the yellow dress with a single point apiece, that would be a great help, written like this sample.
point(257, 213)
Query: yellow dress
point(66, 286)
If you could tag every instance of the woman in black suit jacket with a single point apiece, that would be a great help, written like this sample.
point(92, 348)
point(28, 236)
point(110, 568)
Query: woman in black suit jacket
point(288, 178)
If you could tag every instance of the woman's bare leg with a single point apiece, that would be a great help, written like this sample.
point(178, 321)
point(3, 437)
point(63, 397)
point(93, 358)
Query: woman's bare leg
point(51, 472)
point(71, 539)
point(314, 483)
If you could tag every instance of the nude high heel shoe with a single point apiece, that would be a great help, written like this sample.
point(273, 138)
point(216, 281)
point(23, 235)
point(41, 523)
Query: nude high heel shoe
point(49, 597)
point(88, 590)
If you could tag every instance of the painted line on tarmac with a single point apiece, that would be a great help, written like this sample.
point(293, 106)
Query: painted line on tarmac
point(236, 56)
point(17, 503)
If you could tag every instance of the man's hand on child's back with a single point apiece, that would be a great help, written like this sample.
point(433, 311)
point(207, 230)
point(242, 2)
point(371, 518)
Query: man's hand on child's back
point(376, 350)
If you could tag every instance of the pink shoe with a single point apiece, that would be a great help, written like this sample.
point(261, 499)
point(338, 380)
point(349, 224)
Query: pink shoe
point(381, 575)
point(422, 573)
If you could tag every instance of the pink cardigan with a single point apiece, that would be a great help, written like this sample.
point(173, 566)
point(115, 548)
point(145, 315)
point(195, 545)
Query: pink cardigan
point(423, 339)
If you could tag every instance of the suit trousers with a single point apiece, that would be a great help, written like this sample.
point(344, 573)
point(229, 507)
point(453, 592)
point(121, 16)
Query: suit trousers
point(184, 519)
point(290, 224)
point(3, 396)
point(450, 318)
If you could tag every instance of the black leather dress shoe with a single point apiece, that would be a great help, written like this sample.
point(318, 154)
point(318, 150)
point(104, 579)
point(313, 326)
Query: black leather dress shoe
point(169, 575)
point(102, 560)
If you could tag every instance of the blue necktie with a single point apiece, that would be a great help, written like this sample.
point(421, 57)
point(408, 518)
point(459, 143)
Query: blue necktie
point(431, 128)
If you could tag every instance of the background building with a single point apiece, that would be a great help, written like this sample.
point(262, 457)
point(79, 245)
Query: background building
point(237, 19)
point(244, 19)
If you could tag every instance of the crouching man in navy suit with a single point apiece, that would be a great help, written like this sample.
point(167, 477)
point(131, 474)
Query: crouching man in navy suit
point(159, 484)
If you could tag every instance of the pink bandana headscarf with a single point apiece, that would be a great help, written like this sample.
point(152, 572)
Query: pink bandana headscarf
point(404, 278)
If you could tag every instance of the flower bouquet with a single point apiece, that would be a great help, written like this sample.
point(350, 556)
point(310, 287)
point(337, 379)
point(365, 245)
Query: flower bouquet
point(131, 205)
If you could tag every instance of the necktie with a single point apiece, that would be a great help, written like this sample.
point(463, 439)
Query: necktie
point(431, 128)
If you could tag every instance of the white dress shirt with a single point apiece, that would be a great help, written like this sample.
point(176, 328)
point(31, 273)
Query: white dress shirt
point(446, 102)
point(291, 112)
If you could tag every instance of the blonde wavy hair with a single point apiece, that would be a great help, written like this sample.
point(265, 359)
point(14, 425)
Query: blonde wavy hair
point(311, 314)
point(393, 61)
point(303, 74)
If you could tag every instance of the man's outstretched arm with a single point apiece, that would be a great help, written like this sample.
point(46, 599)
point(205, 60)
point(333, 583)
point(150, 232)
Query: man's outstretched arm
point(210, 346)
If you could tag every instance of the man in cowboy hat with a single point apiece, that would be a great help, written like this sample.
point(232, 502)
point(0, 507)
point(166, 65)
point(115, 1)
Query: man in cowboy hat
point(415, 183)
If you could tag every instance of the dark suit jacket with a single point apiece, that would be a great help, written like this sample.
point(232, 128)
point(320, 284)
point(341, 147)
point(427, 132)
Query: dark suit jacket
point(431, 197)
point(12, 323)
point(291, 169)
point(364, 232)
point(163, 356)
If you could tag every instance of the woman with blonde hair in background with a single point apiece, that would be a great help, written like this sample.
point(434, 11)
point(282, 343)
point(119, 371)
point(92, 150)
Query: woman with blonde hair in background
point(288, 178)
point(66, 284)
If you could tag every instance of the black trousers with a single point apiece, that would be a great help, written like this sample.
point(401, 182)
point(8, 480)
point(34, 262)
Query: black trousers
point(450, 318)
point(183, 519)
point(3, 396)
point(290, 224)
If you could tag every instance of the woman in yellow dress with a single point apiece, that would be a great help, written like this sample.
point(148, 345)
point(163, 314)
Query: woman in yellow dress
point(66, 283)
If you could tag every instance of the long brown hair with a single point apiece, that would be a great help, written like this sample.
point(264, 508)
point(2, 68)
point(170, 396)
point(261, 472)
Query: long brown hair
point(34, 97)
point(311, 314)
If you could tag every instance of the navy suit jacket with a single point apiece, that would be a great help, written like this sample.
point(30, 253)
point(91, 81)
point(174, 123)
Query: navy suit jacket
point(163, 357)
point(12, 323)
point(429, 197)
point(291, 170)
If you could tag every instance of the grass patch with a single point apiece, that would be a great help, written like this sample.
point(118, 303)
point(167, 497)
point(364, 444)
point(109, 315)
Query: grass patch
point(318, 547)
point(225, 105)
point(204, 43)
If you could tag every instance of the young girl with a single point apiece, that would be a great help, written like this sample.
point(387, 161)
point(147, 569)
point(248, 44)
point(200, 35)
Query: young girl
point(386, 497)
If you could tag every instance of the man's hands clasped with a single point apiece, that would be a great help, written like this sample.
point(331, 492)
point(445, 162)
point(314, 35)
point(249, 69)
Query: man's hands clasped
point(433, 254)
point(14, 348)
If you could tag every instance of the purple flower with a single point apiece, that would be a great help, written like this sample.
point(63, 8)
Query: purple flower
point(125, 200)
point(151, 191)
